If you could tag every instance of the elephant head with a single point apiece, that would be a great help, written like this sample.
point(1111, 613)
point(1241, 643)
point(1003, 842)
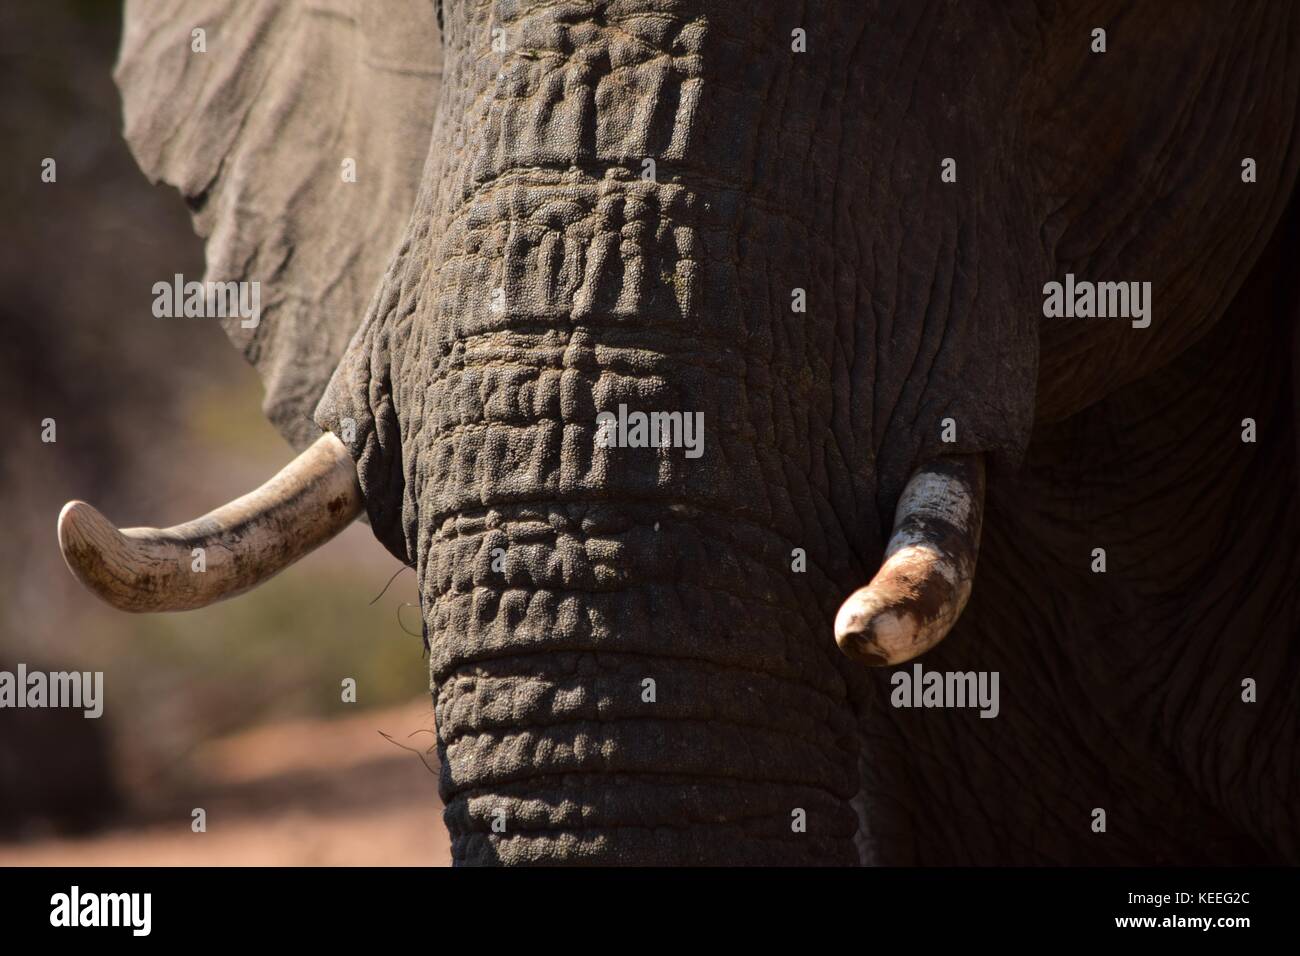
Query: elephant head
point(507, 249)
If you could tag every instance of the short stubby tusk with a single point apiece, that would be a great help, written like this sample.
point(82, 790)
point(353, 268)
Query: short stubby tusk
point(224, 553)
point(925, 580)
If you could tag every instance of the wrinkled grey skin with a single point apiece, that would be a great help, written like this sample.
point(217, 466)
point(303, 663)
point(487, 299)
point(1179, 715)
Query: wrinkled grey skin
point(542, 279)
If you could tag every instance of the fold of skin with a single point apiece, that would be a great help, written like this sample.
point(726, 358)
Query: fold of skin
point(631, 649)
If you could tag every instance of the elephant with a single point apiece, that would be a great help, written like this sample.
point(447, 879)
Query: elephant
point(496, 239)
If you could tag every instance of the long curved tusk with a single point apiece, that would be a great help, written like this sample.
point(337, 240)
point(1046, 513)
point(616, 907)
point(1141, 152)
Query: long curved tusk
point(923, 584)
point(244, 542)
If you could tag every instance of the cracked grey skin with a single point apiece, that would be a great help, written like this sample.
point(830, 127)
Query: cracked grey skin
point(556, 577)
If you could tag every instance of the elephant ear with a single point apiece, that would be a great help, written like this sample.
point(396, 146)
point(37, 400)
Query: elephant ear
point(296, 131)
point(1140, 156)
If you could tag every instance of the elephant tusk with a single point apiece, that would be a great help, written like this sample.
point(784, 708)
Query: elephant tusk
point(923, 585)
point(243, 543)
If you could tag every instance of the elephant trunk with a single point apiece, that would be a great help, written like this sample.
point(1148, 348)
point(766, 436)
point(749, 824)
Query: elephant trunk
point(619, 684)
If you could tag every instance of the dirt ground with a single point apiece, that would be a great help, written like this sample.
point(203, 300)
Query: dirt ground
point(302, 792)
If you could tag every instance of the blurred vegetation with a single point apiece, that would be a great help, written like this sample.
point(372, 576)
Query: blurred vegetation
point(280, 652)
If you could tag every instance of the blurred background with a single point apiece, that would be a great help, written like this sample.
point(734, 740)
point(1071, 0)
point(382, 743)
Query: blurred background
point(236, 708)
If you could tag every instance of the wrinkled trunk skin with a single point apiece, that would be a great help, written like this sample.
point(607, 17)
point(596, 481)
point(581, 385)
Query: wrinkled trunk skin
point(621, 566)
point(541, 706)
point(546, 278)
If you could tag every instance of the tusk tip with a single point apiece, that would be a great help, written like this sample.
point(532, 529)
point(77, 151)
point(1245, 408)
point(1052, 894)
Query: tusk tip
point(86, 540)
point(79, 525)
point(875, 633)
